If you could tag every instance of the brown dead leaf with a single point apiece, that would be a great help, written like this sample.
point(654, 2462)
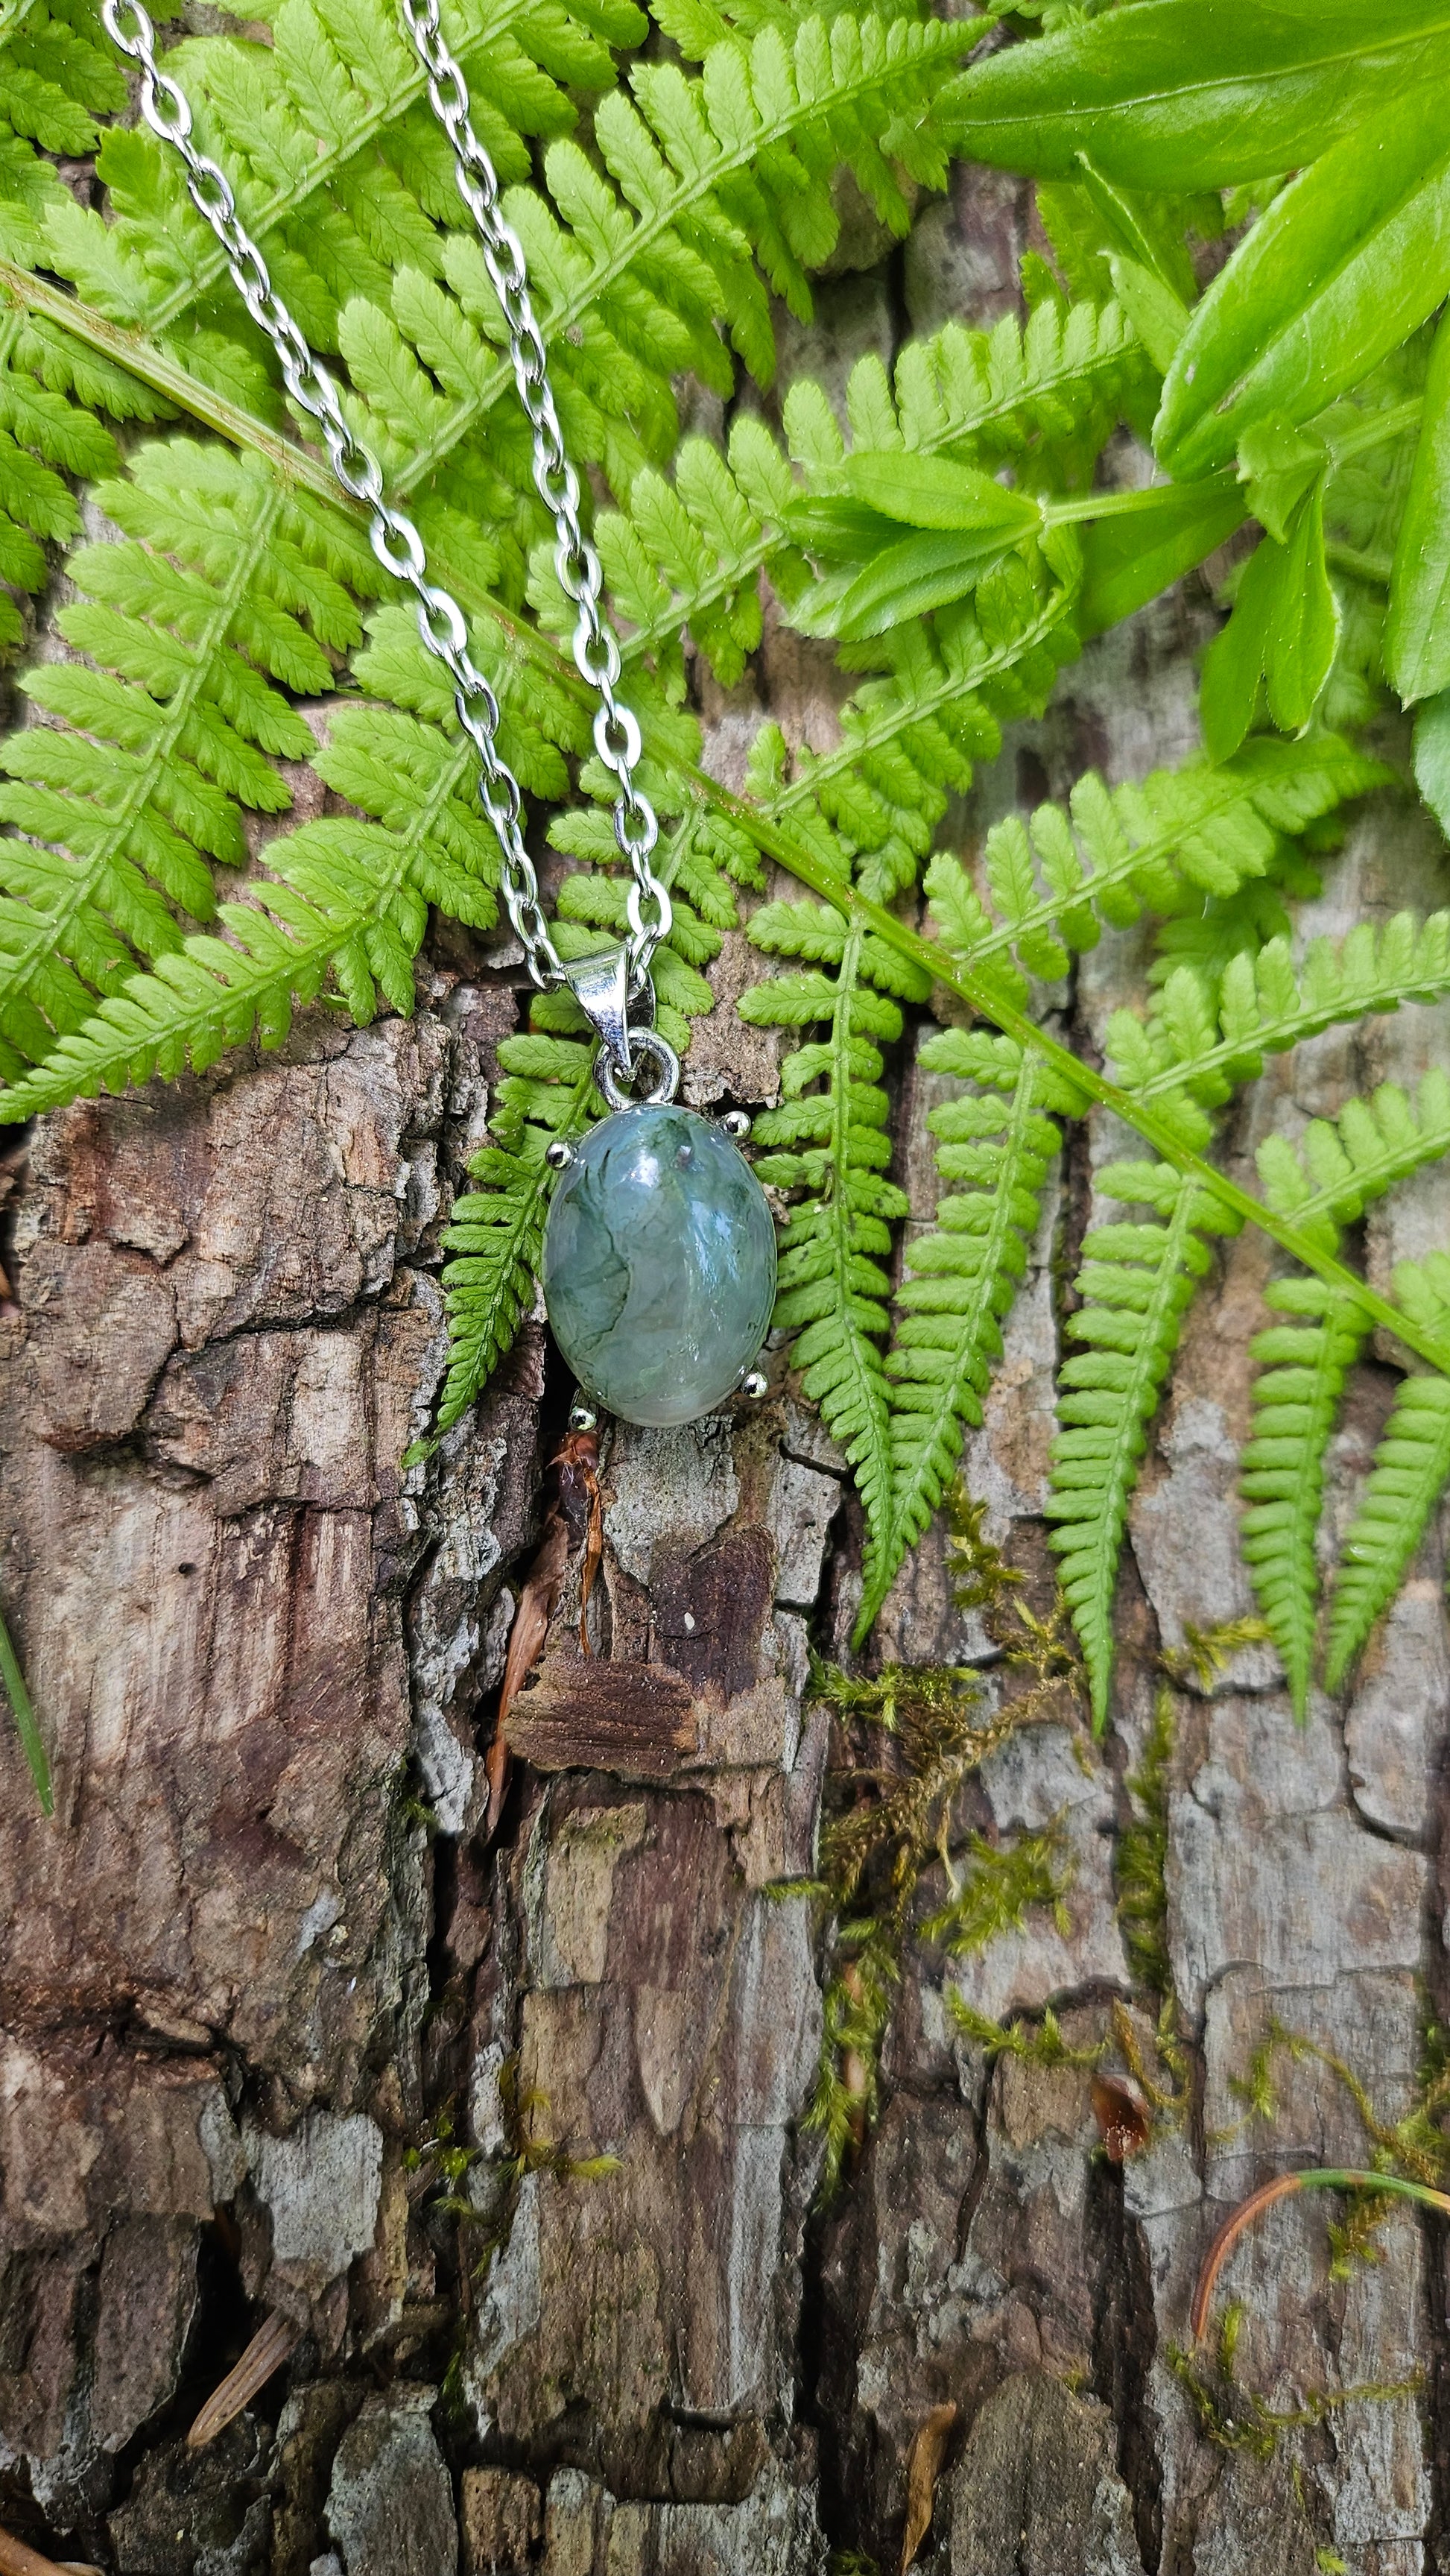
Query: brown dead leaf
point(1122, 2117)
point(923, 2468)
point(268, 2349)
point(573, 1526)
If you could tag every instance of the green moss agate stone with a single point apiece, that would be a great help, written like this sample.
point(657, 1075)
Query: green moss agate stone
point(659, 1264)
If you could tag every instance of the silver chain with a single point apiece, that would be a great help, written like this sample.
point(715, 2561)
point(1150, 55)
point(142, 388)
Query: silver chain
point(395, 541)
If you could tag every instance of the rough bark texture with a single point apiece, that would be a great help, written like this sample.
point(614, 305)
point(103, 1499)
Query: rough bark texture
point(262, 1977)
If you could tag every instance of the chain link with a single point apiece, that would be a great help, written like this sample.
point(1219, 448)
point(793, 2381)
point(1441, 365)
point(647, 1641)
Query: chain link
point(395, 541)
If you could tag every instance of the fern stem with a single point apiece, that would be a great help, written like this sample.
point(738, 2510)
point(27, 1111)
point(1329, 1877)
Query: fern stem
point(1283, 2187)
point(864, 1401)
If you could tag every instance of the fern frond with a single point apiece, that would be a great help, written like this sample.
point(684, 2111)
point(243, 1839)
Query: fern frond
point(1113, 854)
point(495, 1236)
point(686, 555)
point(1136, 1283)
point(962, 1277)
point(1340, 1166)
point(58, 73)
point(339, 170)
point(702, 196)
point(1199, 1045)
point(50, 393)
point(1407, 1476)
point(830, 1144)
point(222, 584)
point(347, 898)
point(909, 741)
point(1303, 1366)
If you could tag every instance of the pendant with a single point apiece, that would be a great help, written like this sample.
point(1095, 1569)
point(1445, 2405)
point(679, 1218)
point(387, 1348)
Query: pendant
point(659, 1249)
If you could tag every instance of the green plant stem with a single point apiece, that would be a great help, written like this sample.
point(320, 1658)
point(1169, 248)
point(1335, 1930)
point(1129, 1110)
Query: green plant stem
point(1286, 2186)
point(242, 429)
point(31, 1742)
point(1124, 505)
point(1374, 428)
point(1375, 569)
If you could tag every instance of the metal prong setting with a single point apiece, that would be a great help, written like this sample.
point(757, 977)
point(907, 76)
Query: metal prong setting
point(755, 1384)
point(559, 1155)
point(737, 1124)
point(582, 1417)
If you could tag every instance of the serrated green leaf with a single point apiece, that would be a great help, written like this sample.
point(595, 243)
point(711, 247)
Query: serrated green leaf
point(1432, 757)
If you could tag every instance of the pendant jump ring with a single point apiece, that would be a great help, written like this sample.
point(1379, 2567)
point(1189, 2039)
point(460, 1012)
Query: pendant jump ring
point(646, 1042)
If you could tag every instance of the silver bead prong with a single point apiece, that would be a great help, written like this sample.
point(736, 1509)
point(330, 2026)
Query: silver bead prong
point(559, 1155)
point(582, 1417)
point(737, 1124)
point(755, 1384)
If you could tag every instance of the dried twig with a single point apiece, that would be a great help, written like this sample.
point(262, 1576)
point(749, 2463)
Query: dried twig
point(573, 1524)
point(1281, 2188)
point(269, 2348)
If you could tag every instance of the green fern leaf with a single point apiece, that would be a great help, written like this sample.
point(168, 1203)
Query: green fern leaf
point(1340, 1166)
point(1407, 1476)
point(58, 73)
point(1303, 1366)
point(1136, 1282)
point(495, 1237)
point(830, 1144)
point(697, 196)
point(1201, 1043)
point(348, 898)
point(44, 437)
point(1160, 847)
point(962, 1277)
point(340, 172)
point(127, 797)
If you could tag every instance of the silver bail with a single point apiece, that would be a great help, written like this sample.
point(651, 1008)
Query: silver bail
point(600, 986)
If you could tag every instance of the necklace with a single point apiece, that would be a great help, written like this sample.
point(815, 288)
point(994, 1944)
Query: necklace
point(659, 1248)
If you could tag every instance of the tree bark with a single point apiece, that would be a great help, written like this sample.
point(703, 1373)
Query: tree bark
point(509, 2129)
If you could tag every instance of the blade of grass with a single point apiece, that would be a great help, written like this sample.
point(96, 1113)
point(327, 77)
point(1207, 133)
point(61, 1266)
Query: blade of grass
point(31, 1744)
point(1283, 2187)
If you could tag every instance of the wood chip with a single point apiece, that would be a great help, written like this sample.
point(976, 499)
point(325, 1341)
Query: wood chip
point(636, 1721)
point(923, 2468)
point(268, 2349)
